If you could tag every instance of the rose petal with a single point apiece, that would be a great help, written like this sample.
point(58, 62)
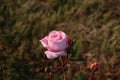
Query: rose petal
point(57, 44)
point(62, 35)
point(44, 41)
point(94, 65)
point(53, 55)
point(62, 53)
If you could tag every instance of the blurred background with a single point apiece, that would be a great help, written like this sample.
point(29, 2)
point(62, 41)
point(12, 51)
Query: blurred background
point(24, 22)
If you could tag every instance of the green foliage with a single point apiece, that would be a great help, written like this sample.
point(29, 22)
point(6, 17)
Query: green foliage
point(76, 47)
point(76, 51)
point(81, 76)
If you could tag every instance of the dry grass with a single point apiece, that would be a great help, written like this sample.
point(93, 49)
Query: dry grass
point(22, 23)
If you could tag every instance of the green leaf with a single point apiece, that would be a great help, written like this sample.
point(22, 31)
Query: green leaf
point(81, 76)
point(76, 47)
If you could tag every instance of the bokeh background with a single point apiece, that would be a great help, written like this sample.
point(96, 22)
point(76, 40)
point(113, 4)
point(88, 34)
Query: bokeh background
point(24, 22)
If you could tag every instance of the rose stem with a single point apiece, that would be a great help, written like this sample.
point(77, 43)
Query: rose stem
point(62, 67)
point(91, 75)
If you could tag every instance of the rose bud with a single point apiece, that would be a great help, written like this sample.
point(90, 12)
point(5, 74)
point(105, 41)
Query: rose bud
point(94, 66)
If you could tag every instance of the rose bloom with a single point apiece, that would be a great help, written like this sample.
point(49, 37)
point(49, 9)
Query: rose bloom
point(94, 65)
point(56, 43)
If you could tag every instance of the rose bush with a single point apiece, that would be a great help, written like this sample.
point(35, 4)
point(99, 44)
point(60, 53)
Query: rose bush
point(56, 43)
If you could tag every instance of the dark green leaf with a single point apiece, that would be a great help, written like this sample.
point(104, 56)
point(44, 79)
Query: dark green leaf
point(76, 47)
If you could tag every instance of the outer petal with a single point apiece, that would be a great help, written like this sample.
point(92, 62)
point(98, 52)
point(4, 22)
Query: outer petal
point(44, 41)
point(53, 55)
point(62, 53)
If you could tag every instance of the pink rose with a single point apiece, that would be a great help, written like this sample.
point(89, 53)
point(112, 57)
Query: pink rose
point(56, 43)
